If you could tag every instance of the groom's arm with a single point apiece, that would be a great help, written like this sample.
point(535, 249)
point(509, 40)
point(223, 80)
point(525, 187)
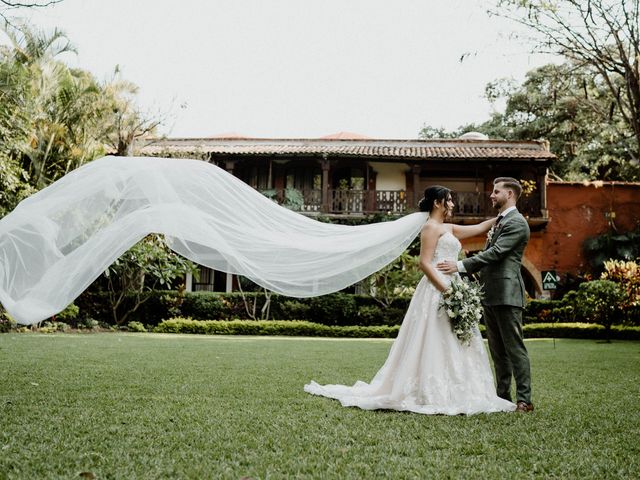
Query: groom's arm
point(512, 235)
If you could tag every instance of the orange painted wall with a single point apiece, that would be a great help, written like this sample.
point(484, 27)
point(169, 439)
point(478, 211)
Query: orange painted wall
point(576, 212)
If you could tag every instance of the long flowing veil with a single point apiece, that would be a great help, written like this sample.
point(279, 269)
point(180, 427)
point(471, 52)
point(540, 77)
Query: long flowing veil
point(58, 241)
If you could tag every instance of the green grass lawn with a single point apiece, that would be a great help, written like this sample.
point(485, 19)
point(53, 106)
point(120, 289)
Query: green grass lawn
point(177, 406)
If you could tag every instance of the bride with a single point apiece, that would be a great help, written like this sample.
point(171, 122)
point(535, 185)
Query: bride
point(428, 370)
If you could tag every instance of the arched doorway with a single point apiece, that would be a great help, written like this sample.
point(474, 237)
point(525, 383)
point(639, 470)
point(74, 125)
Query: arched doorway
point(532, 278)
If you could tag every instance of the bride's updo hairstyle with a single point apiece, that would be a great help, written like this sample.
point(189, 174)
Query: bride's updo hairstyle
point(431, 195)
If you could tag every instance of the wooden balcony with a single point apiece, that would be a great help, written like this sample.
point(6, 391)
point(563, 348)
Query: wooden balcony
point(476, 204)
point(470, 206)
point(342, 201)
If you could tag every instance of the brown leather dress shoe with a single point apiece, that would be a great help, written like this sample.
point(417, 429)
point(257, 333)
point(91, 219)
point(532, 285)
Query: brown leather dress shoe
point(524, 407)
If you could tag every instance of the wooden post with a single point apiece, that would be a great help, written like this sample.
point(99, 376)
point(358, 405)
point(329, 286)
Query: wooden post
point(325, 182)
point(542, 186)
point(416, 168)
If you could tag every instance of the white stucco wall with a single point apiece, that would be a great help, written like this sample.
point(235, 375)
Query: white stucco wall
point(391, 176)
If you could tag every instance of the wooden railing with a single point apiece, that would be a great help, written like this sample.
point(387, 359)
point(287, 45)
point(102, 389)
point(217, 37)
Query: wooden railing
point(476, 204)
point(467, 204)
point(343, 201)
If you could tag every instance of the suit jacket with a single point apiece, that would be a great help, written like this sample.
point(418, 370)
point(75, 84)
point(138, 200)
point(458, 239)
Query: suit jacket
point(499, 264)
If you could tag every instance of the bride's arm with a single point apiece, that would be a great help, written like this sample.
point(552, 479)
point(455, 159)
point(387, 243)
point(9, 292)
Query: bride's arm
point(466, 231)
point(428, 240)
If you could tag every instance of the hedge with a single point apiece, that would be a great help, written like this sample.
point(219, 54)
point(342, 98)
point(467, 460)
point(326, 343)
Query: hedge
point(580, 330)
point(333, 309)
point(310, 329)
point(272, 327)
point(337, 309)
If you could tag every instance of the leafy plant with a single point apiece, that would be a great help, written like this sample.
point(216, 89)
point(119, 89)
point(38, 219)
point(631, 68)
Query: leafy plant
point(136, 327)
point(610, 246)
point(370, 315)
point(88, 323)
point(70, 313)
point(53, 327)
point(396, 280)
point(6, 322)
point(294, 310)
point(272, 327)
point(599, 301)
point(203, 305)
point(55, 118)
point(333, 309)
point(148, 265)
point(293, 199)
point(627, 275)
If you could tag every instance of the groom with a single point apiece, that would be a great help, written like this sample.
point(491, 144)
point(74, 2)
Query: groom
point(504, 298)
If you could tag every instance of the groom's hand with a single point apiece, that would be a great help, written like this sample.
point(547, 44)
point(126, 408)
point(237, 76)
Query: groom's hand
point(447, 266)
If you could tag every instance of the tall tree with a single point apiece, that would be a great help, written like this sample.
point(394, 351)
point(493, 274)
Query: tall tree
point(571, 108)
point(127, 123)
point(50, 103)
point(8, 6)
point(568, 106)
point(53, 118)
point(599, 36)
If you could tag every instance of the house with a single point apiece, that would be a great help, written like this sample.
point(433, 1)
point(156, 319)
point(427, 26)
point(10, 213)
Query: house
point(347, 176)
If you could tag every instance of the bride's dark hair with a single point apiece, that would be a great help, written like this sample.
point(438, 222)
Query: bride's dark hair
point(431, 195)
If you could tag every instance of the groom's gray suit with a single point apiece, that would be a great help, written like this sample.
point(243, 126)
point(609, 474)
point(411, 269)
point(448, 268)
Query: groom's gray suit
point(504, 299)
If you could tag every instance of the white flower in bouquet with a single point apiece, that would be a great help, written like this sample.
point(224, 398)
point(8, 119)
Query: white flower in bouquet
point(462, 303)
point(490, 233)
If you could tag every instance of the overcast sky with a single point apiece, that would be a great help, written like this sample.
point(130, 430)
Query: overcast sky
point(298, 68)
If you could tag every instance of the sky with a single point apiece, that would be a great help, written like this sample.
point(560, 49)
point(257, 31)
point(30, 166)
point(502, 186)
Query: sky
point(297, 68)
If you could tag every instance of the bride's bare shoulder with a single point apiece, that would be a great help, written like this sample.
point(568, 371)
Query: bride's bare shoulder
point(448, 227)
point(432, 230)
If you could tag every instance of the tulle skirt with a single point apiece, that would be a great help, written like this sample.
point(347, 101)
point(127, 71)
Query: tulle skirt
point(428, 370)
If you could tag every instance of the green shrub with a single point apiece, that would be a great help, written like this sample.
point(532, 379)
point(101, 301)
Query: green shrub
point(333, 309)
point(605, 247)
point(302, 328)
point(271, 327)
point(599, 302)
point(379, 315)
point(627, 276)
point(156, 306)
point(87, 323)
point(293, 310)
point(136, 327)
point(580, 330)
point(370, 315)
point(393, 315)
point(541, 310)
point(6, 322)
point(53, 327)
point(204, 305)
point(547, 311)
point(68, 314)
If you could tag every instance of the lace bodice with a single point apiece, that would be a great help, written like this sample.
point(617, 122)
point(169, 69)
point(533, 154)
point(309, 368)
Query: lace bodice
point(447, 248)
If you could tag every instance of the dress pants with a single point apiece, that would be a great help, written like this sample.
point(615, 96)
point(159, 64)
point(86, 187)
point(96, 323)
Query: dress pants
point(509, 354)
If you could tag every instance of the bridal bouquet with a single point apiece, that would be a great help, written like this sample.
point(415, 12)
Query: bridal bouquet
point(462, 303)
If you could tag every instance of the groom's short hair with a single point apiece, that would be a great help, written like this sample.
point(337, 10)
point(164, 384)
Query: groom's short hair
point(510, 183)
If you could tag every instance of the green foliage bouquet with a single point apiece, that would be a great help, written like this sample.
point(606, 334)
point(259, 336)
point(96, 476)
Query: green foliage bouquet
point(462, 303)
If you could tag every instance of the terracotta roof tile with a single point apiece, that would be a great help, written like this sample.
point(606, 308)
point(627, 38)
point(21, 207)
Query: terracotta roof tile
point(391, 149)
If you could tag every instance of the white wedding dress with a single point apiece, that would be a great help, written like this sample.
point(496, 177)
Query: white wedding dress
point(428, 369)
